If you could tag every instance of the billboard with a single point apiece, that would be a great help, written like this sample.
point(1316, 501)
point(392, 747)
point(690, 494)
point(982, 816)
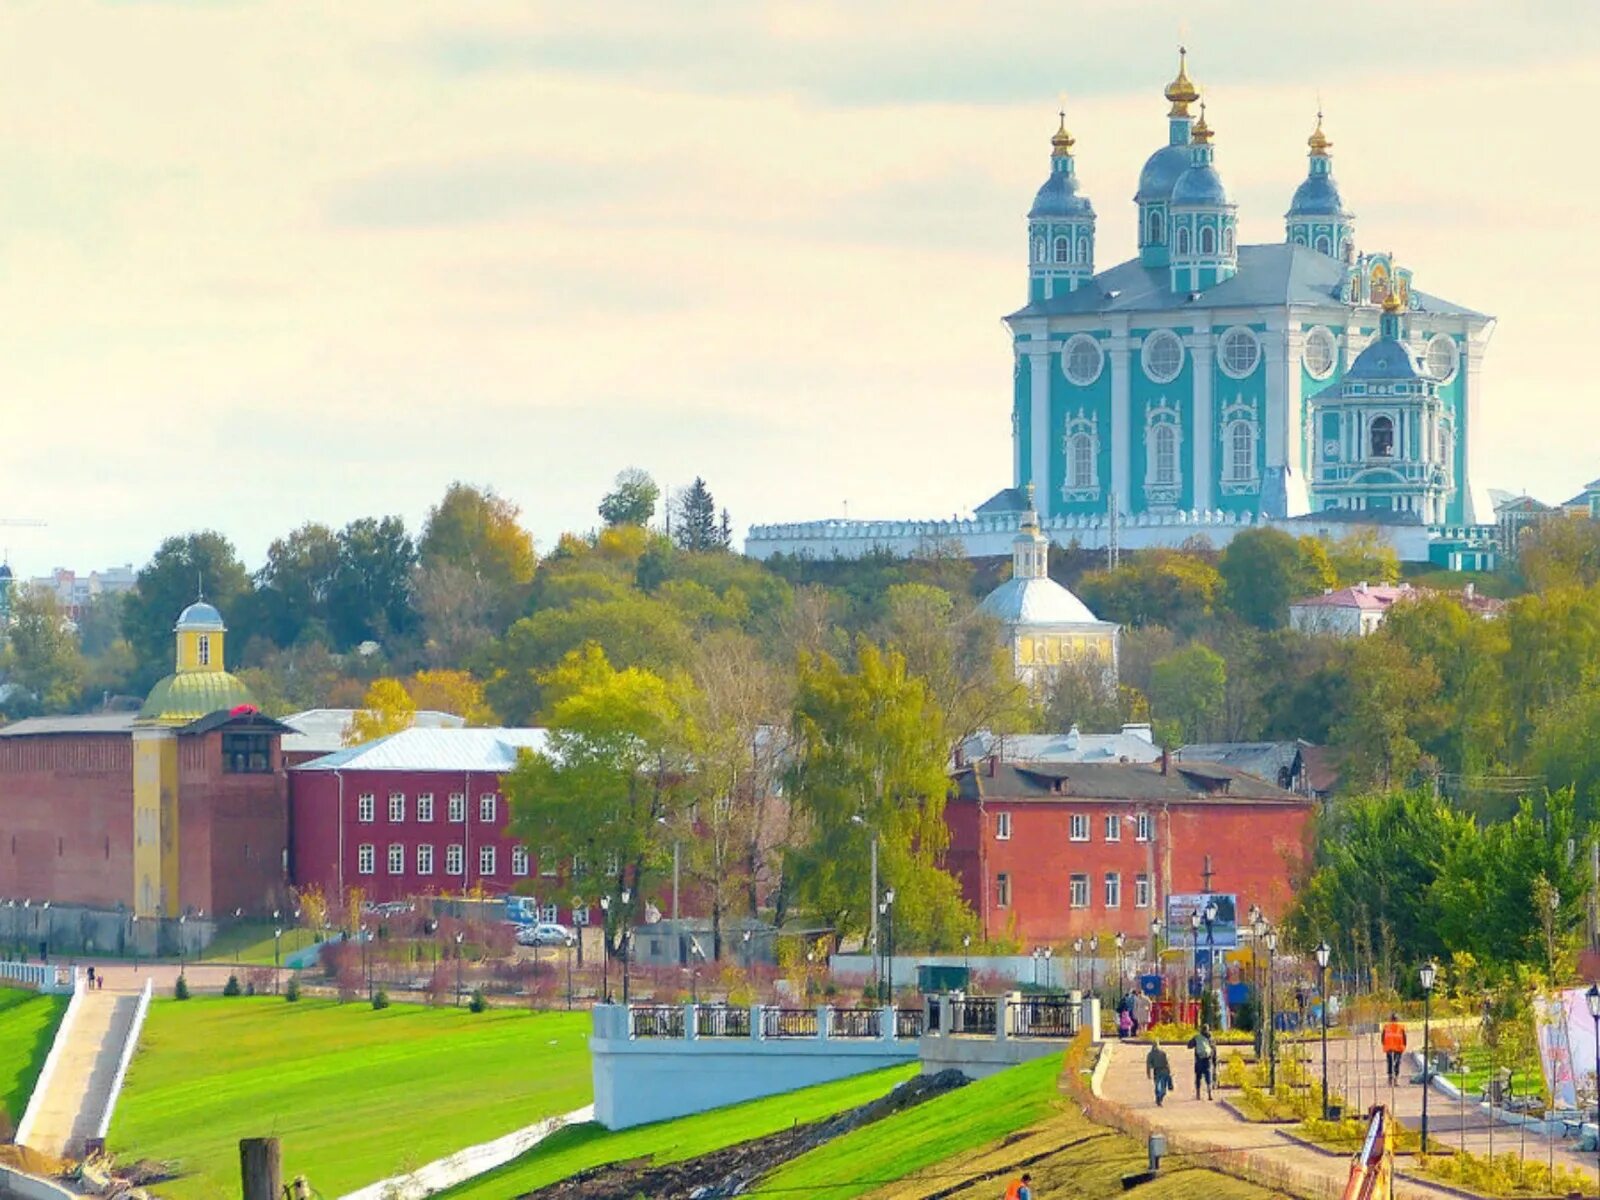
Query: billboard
point(1224, 930)
point(1566, 1046)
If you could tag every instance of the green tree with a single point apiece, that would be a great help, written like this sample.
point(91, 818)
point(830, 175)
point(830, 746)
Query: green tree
point(1560, 552)
point(869, 744)
point(480, 532)
point(1173, 588)
point(1079, 692)
point(1553, 646)
point(180, 569)
point(41, 657)
point(455, 614)
point(387, 708)
point(1565, 747)
point(1391, 708)
point(694, 525)
point(631, 500)
point(294, 587)
point(1263, 570)
point(370, 595)
point(602, 797)
point(1188, 690)
point(1363, 556)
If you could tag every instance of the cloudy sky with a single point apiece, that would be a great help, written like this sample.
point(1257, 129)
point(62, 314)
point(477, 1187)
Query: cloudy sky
point(262, 263)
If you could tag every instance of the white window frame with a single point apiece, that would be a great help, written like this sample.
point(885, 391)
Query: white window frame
point(425, 806)
point(1002, 890)
point(397, 858)
point(397, 807)
point(487, 860)
point(203, 650)
point(1113, 889)
point(1080, 448)
point(455, 859)
point(1445, 340)
point(1322, 336)
point(1073, 343)
point(366, 859)
point(1002, 827)
point(1113, 827)
point(458, 807)
point(1078, 827)
point(1062, 254)
point(1141, 827)
point(519, 860)
point(366, 808)
point(1142, 897)
point(487, 807)
point(1157, 340)
point(1078, 890)
point(425, 859)
point(1232, 335)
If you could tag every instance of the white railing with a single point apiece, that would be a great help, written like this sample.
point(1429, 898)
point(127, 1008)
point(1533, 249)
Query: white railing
point(52, 1060)
point(129, 1045)
point(44, 977)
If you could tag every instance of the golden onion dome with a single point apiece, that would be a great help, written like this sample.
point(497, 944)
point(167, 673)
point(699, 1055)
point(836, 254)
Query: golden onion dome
point(1318, 141)
point(1061, 143)
point(1201, 133)
point(1182, 90)
point(1392, 302)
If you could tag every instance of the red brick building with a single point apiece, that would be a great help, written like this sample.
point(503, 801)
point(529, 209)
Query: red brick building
point(1049, 852)
point(416, 813)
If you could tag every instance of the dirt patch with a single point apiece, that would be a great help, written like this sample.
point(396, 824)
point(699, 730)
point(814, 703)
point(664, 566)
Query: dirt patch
point(731, 1171)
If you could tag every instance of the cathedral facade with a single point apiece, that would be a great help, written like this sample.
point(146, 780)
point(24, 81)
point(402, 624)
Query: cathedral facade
point(1202, 376)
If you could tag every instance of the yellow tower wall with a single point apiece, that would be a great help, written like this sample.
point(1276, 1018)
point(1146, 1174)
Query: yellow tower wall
point(155, 822)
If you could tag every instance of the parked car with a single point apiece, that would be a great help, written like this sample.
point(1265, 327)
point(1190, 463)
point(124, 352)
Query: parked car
point(544, 934)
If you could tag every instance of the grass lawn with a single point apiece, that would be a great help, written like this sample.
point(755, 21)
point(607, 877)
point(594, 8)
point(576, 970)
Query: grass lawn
point(1527, 1079)
point(27, 1028)
point(250, 943)
point(355, 1095)
point(583, 1146)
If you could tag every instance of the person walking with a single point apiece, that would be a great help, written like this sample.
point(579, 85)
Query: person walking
point(1158, 1068)
point(1205, 1057)
point(1021, 1189)
point(1394, 1047)
point(1125, 1028)
point(1143, 1010)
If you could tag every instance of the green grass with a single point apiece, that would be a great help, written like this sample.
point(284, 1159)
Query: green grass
point(1527, 1079)
point(896, 1147)
point(355, 1095)
point(583, 1146)
point(250, 943)
point(27, 1028)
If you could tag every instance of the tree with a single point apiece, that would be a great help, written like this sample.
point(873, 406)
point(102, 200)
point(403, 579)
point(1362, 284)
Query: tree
point(869, 744)
point(479, 532)
point(1187, 692)
point(1263, 570)
point(1079, 692)
point(41, 657)
point(454, 614)
point(1564, 747)
point(370, 594)
point(1158, 587)
point(601, 797)
point(387, 708)
point(1390, 708)
point(1560, 552)
point(1553, 642)
point(180, 569)
point(695, 519)
point(452, 692)
point(295, 585)
point(631, 500)
point(1363, 556)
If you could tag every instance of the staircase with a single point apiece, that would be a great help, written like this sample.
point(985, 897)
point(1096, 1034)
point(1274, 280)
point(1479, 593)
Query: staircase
point(78, 1090)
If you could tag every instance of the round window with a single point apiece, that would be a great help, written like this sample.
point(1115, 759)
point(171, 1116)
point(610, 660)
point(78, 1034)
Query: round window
point(1082, 359)
point(1239, 352)
point(1442, 357)
point(1162, 356)
point(1319, 353)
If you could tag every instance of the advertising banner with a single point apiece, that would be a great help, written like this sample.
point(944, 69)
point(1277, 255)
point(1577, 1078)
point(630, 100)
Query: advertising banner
point(1224, 929)
point(1566, 1046)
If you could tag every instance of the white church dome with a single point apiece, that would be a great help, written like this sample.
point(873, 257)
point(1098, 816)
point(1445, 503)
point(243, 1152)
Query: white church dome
point(1036, 602)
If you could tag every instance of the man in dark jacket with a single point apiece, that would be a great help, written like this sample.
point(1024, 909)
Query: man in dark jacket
point(1205, 1060)
point(1159, 1069)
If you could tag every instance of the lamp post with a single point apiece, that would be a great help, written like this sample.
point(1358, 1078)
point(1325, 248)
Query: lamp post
point(1037, 955)
point(872, 903)
point(1094, 951)
point(1258, 927)
point(1077, 963)
point(1121, 940)
point(888, 917)
point(627, 933)
point(966, 956)
point(1155, 950)
point(571, 942)
point(183, 919)
point(366, 959)
point(1049, 971)
point(1211, 947)
point(1323, 952)
point(1593, 997)
point(1426, 975)
point(1272, 1014)
point(277, 944)
point(605, 949)
point(1194, 947)
point(458, 969)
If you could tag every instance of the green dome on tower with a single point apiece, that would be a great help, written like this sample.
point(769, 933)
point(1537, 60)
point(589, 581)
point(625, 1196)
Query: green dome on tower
point(200, 686)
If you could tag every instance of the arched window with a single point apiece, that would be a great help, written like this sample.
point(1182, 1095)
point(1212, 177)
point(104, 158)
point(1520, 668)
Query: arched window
point(1381, 437)
point(1324, 246)
point(1038, 250)
point(1063, 249)
point(1227, 240)
point(1208, 240)
point(1183, 239)
point(1241, 451)
point(1083, 250)
point(1155, 233)
point(1299, 237)
point(1080, 462)
point(1166, 455)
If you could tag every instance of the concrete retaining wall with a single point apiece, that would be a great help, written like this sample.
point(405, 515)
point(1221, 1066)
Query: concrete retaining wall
point(129, 1045)
point(52, 1060)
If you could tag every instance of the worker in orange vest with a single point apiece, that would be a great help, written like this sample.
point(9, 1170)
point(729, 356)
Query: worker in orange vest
point(1021, 1189)
point(1394, 1046)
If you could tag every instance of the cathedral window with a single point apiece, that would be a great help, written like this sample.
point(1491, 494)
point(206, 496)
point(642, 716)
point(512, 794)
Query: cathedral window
point(1082, 459)
point(1241, 452)
point(1063, 250)
point(1163, 468)
point(1083, 250)
point(204, 651)
point(1166, 455)
point(1299, 237)
point(1038, 250)
point(1227, 240)
point(1155, 234)
point(1441, 357)
point(1162, 356)
point(1381, 437)
point(1081, 470)
point(1324, 244)
point(1241, 351)
point(1082, 360)
point(1208, 240)
point(1182, 245)
point(1318, 354)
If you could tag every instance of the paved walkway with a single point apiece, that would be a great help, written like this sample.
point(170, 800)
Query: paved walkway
point(80, 1086)
point(1355, 1067)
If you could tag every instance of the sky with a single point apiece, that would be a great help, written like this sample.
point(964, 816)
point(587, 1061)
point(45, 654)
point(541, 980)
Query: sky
point(269, 263)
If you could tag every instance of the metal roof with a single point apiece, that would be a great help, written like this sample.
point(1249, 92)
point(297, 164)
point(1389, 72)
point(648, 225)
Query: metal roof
point(322, 730)
point(1038, 602)
point(118, 722)
point(1134, 743)
point(489, 750)
point(1196, 783)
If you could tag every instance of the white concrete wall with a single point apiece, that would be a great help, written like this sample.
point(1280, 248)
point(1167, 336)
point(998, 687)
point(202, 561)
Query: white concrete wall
point(640, 1080)
point(129, 1045)
point(51, 1062)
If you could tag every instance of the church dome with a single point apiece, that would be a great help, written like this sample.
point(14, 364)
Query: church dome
point(1200, 185)
point(1036, 602)
point(200, 617)
point(1161, 171)
point(190, 695)
point(1317, 196)
point(1388, 358)
point(1059, 198)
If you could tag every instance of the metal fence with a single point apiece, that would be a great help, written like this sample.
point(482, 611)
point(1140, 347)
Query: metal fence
point(723, 1022)
point(658, 1021)
point(856, 1023)
point(976, 1014)
point(789, 1022)
point(1045, 1017)
point(908, 1023)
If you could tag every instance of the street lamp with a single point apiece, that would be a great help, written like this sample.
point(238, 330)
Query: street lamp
point(872, 902)
point(277, 943)
point(1258, 926)
point(1049, 971)
point(366, 959)
point(605, 949)
point(1211, 947)
point(1121, 940)
point(1426, 975)
point(1077, 963)
point(1593, 997)
point(1323, 953)
point(1194, 942)
point(458, 968)
point(1037, 955)
point(627, 934)
point(1094, 951)
point(572, 941)
point(182, 921)
point(1272, 1014)
point(966, 956)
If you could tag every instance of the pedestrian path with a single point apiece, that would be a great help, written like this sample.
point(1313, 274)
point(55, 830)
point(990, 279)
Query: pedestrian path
point(79, 1086)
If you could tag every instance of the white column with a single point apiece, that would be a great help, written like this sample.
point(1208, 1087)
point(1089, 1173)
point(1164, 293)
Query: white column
point(1204, 433)
point(1294, 342)
point(1039, 367)
point(1467, 433)
point(1119, 348)
point(1276, 416)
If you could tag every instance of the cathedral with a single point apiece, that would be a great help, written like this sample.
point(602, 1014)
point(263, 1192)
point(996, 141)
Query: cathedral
point(1204, 375)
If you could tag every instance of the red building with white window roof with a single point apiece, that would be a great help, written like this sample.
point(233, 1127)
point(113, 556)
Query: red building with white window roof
point(1047, 852)
point(416, 813)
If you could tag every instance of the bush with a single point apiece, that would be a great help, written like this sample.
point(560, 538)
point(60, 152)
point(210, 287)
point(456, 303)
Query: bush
point(1503, 1175)
point(231, 988)
point(478, 1002)
point(380, 999)
point(181, 991)
point(291, 993)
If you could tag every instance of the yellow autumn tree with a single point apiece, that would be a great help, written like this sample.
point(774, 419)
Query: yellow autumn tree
point(452, 692)
point(386, 708)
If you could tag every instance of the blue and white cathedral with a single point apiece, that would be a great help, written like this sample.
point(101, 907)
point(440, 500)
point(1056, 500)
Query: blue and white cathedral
point(1203, 375)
